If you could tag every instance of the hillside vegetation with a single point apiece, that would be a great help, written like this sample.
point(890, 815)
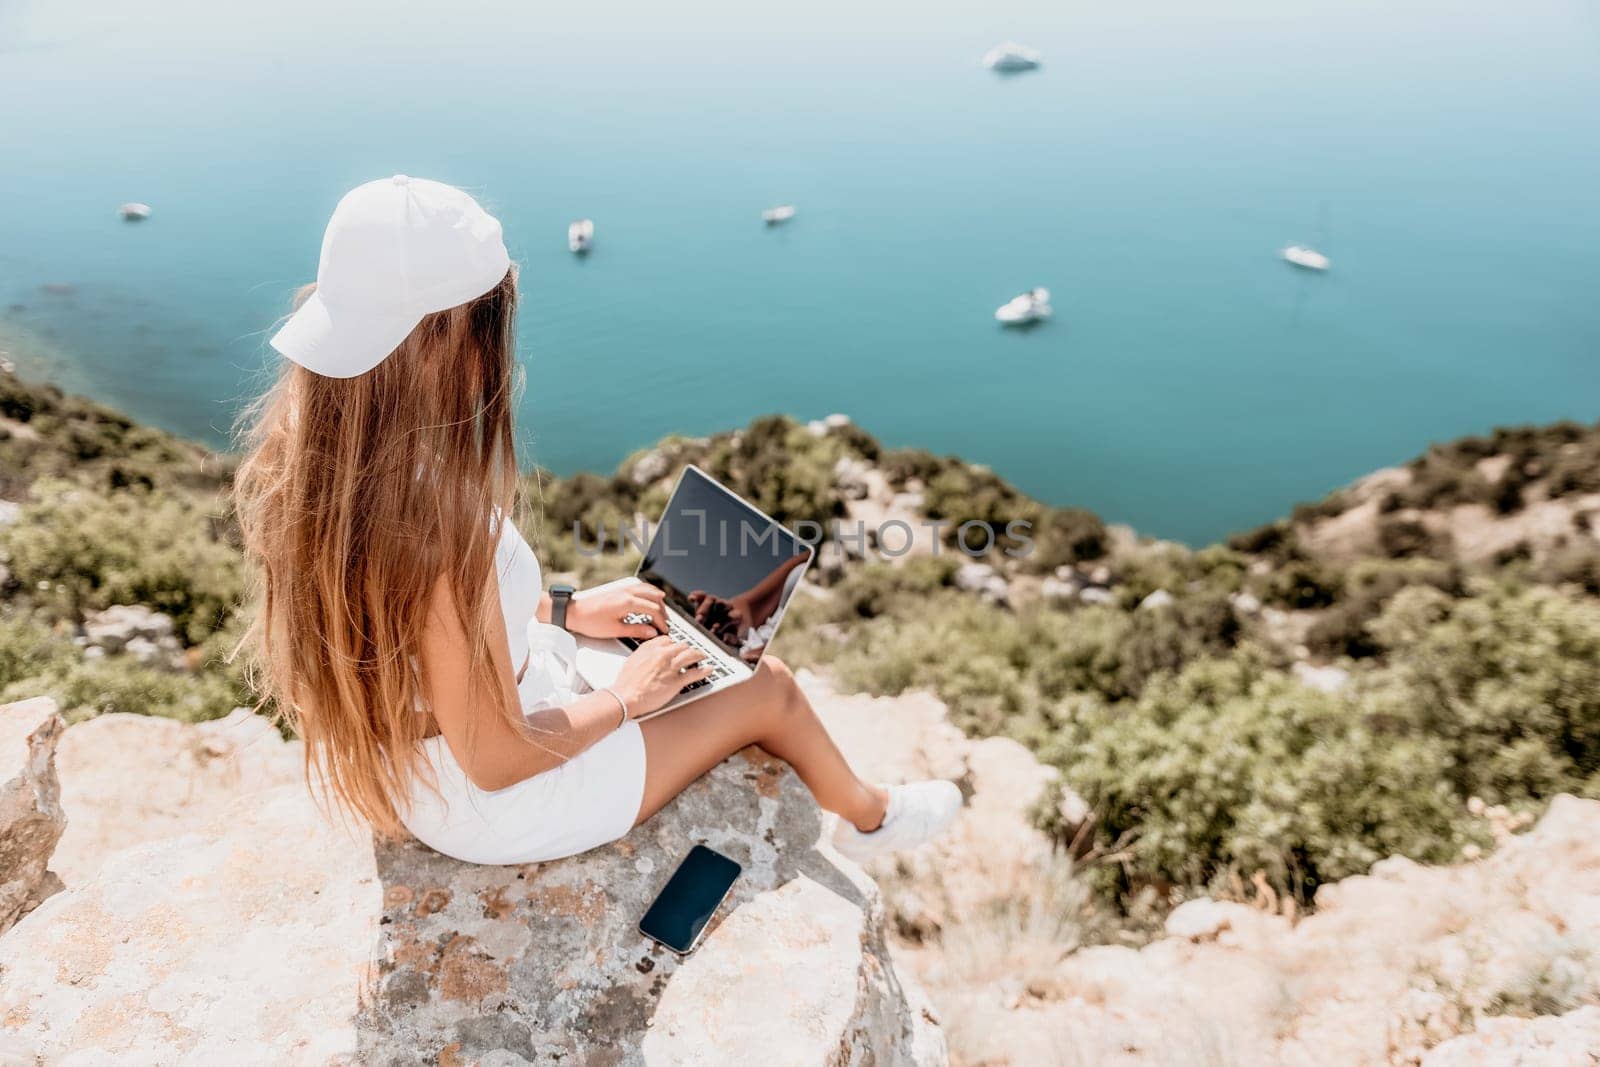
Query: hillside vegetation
point(1354, 681)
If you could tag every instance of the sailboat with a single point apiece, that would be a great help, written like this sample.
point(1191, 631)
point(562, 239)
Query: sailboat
point(1032, 306)
point(1304, 256)
point(1011, 57)
point(580, 236)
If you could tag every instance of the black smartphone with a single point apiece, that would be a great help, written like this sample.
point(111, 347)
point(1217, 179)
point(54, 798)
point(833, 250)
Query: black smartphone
point(680, 912)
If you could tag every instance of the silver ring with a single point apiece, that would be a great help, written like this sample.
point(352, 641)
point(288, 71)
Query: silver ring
point(634, 618)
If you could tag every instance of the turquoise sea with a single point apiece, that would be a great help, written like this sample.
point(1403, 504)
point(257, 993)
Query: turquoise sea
point(1445, 155)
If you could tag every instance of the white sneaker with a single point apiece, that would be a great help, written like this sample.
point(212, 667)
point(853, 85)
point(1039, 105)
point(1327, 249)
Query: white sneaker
point(918, 812)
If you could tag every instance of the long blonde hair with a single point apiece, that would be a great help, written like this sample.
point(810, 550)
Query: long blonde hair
point(355, 497)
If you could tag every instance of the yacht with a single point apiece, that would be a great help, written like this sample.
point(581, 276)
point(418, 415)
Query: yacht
point(1307, 258)
point(580, 235)
point(134, 212)
point(1011, 56)
point(1032, 306)
point(774, 215)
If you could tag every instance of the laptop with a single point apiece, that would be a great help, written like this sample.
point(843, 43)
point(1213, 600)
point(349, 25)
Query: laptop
point(728, 572)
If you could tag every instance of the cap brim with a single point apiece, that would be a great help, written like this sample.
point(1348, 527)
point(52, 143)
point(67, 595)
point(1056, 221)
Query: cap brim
point(338, 344)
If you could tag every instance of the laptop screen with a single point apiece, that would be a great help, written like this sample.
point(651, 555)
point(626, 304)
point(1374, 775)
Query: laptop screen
point(724, 564)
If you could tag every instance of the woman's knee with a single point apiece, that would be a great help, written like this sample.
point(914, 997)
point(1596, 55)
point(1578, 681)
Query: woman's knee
point(777, 669)
point(778, 684)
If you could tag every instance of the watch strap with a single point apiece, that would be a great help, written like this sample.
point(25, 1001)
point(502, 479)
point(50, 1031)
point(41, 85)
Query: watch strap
point(560, 600)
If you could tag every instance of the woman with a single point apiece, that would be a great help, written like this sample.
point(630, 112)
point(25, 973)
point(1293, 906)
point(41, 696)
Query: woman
point(396, 629)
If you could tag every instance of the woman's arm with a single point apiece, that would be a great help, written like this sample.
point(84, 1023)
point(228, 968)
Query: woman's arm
point(599, 612)
point(493, 752)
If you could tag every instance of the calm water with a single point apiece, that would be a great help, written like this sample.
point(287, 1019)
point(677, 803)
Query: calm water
point(1446, 157)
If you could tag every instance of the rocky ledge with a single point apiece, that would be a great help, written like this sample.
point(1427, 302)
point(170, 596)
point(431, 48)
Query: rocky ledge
point(266, 934)
point(31, 818)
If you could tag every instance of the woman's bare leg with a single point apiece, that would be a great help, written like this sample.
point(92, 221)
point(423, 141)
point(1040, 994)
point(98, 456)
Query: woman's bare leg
point(772, 711)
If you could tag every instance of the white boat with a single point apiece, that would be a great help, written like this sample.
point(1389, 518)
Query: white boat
point(774, 215)
point(580, 235)
point(1011, 56)
point(1307, 258)
point(1032, 306)
point(134, 212)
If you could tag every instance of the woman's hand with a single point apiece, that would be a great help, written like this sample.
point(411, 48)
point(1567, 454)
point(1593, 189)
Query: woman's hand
point(599, 612)
point(655, 671)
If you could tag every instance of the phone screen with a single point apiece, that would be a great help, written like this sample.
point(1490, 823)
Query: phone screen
point(679, 914)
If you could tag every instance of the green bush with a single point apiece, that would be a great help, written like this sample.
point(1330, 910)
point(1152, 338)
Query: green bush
point(29, 650)
point(1231, 767)
point(69, 437)
point(34, 661)
point(962, 493)
point(1303, 584)
point(74, 550)
point(1508, 678)
point(781, 468)
point(880, 588)
point(1275, 541)
point(1063, 536)
point(1399, 538)
point(1000, 671)
point(1368, 585)
point(87, 688)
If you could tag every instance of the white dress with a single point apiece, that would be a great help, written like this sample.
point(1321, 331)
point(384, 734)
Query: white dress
point(590, 800)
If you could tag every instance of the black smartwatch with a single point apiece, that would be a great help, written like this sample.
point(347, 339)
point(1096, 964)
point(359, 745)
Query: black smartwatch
point(560, 597)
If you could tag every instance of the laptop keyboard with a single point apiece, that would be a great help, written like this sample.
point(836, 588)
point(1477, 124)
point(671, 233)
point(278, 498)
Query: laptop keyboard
point(679, 632)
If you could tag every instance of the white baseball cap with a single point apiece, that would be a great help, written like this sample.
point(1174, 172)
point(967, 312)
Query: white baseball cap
point(396, 250)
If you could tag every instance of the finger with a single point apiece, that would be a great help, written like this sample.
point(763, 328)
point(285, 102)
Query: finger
point(694, 674)
point(653, 595)
point(687, 658)
point(665, 648)
point(642, 632)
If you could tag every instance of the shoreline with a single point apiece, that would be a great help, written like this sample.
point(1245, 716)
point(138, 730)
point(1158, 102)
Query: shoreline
point(36, 360)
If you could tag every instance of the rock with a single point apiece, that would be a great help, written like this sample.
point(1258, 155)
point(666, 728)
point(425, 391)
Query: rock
point(853, 478)
point(1096, 594)
point(982, 579)
point(245, 945)
point(1058, 589)
point(823, 426)
point(1203, 919)
point(1570, 1040)
point(1391, 968)
point(1158, 599)
point(994, 851)
point(116, 625)
point(135, 629)
point(1328, 679)
point(1245, 603)
point(891, 522)
point(273, 936)
point(144, 650)
point(1073, 809)
point(546, 962)
point(9, 510)
point(651, 466)
point(31, 816)
point(127, 779)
